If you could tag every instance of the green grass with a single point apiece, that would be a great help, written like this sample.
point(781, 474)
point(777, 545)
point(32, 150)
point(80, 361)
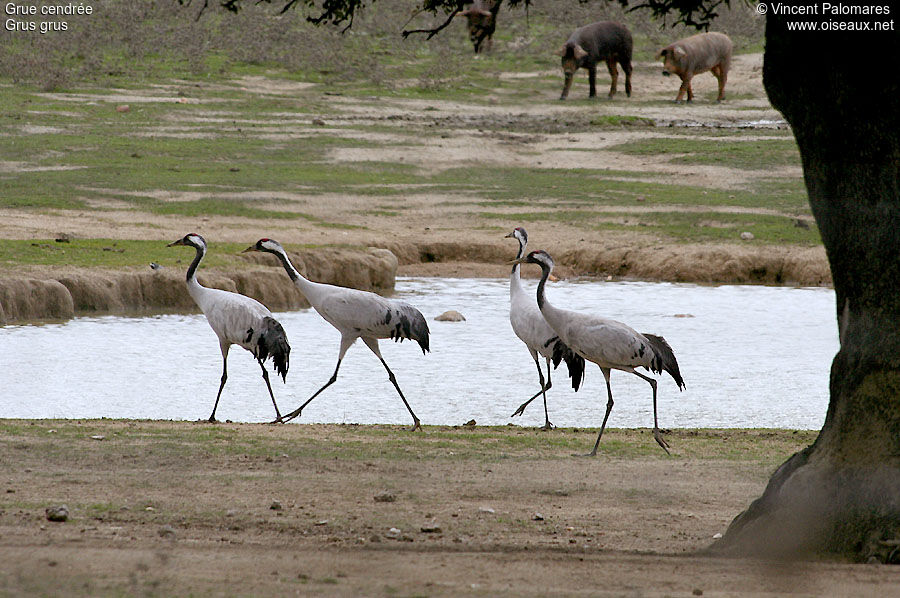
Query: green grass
point(392, 443)
point(116, 253)
point(750, 154)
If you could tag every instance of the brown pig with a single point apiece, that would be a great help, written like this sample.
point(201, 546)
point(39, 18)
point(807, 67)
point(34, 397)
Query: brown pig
point(605, 40)
point(481, 20)
point(697, 54)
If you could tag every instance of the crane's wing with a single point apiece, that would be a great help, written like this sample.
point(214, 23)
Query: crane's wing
point(368, 314)
point(607, 343)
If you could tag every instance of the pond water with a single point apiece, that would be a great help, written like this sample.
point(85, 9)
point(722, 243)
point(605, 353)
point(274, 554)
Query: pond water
point(751, 356)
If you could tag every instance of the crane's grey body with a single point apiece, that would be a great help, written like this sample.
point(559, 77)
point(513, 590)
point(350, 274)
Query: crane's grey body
point(237, 320)
point(355, 314)
point(610, 344)
point(541, 340)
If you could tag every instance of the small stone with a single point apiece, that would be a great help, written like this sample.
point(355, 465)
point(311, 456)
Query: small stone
point(318, 122)
point(747, 236)
point(276, 505)
point(451, 316)
point(149, 509)
point(97, 437)
point(697, 592)
point(393, 533)
point(431, 528)
point(63, 238)
point(58, 513)
point(322, 522)
point(123, 108)
point(486, 510)
point(167, 531)
point(385, 497)
point(374, 538)
point(538, 517)
point(716, 536)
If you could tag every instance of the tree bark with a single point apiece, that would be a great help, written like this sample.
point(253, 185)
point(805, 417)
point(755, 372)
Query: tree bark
point(841, 95)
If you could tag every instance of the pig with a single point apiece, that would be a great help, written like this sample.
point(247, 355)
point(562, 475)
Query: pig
point(697, 54)
point(605, 40)
point(481, 19)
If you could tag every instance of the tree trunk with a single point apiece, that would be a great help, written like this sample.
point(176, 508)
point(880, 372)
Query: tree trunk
point(842, 494)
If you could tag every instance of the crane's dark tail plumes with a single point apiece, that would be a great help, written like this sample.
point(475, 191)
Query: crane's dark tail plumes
point(410, 324)
point(273, 342)
point(664, 359)
point(574, 362)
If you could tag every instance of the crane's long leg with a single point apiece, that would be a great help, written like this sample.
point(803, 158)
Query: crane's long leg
point(543, 390)
point(656, 434)
point(224, 347)
point(609, 406)
point(547, 424)
point(271, 394)
point(346, 341)
point(372, 344)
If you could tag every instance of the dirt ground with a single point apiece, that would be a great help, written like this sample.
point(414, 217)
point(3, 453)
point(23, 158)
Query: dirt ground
point(180, 508)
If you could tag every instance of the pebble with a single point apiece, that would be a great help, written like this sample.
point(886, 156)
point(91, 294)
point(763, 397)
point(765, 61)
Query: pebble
point(486, 510)
point(385, 497)
point(393, 533)
point(747, 236)
point(451, 316)
point(167, 531)
point(276, 505)
point(57, 513)
point(431, 528)
point(123, 108)
point(538, 517)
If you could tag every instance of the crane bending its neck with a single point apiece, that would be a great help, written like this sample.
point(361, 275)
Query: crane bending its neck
point(192, 269)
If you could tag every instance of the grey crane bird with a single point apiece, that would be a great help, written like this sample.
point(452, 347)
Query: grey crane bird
point(355, 314)
point(238, 320)
point(610, 344)
point(540, 339)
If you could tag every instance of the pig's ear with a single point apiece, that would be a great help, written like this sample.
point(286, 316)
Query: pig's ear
point(662, 53)
point(579, 53)
point(679, 51)
point(561, 51)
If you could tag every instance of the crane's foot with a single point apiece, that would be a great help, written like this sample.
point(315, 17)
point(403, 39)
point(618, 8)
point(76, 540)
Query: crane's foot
point(547, 426)
point(520, 410)
point(660, 441)
point(417, 425)
point(590, 454)
point(212, 420)
point(286, 418)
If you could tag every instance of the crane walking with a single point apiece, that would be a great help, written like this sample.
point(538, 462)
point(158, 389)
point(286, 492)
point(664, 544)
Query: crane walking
point(610, 344)
point(355, 314)
point(237, 320)
point(531, 328)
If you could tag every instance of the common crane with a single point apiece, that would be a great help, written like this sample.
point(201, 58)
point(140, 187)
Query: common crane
point(237, 320)
point(610, 344)
point(531, 328)
point(355, 314)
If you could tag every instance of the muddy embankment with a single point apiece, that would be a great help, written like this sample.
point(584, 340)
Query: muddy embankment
point(63, 295)
point(712, 264)
point(84, 292)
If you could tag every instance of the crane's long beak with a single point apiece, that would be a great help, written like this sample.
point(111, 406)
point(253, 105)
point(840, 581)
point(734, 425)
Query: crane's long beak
point(251, 248)
point(512, 234)
point(521, 260)
point(178, 242)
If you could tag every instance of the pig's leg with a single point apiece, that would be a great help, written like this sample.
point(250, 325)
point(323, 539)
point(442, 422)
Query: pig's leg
point(627, 68)
point(592, 80)
point(685, 88)
point(613, 76)
point(566, 85)
point(722, 75)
